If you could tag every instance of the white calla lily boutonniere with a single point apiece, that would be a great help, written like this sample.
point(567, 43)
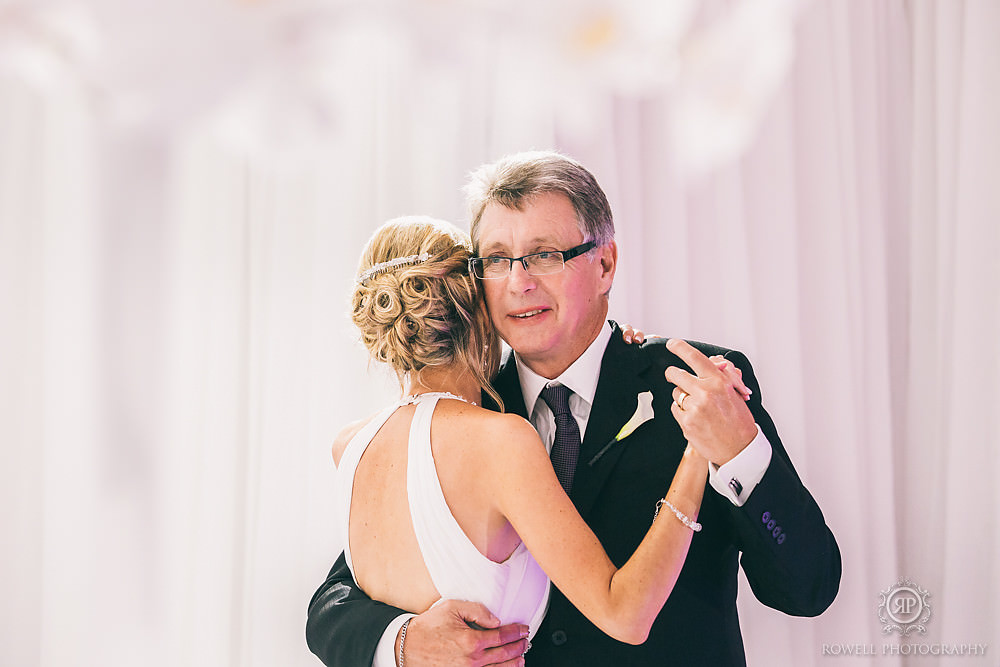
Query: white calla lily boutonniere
point(643, 413)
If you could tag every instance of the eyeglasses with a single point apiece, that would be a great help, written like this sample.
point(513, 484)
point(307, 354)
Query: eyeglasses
point(536, 264)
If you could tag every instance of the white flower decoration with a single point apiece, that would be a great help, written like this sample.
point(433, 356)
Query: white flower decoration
point(643, 413)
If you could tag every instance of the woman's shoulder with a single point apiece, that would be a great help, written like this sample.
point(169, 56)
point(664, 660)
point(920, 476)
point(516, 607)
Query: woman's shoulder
point(510, 434)
point(507, 425)
point(487, 428)
point(346, 435)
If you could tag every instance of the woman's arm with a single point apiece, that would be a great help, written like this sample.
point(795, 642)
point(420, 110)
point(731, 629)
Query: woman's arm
point(621, 602)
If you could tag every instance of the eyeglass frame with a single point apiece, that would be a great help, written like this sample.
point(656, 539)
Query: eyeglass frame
point(566, 255)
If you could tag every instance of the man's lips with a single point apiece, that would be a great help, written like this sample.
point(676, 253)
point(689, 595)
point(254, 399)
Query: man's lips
point(528, 313)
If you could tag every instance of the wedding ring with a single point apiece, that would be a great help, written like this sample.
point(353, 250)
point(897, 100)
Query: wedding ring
point(680, 401)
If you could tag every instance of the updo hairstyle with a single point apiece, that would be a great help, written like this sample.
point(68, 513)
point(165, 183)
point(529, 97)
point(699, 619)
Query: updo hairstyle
point(428, 313)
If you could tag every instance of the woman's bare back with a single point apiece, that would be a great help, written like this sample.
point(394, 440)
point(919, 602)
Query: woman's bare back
point(388, 563)
point(492, 469)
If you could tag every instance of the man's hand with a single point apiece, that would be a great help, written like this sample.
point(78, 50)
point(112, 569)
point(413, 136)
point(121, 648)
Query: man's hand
point(464, 634)
point(632, 335)
point(710, 406)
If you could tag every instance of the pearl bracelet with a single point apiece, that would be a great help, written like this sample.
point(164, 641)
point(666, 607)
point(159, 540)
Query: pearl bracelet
point(693, 525)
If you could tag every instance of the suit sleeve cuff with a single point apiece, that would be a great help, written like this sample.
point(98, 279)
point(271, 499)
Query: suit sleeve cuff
point(385, 652)
point(738, 477)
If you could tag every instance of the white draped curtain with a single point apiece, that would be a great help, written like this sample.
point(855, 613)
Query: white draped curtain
point(185, 189)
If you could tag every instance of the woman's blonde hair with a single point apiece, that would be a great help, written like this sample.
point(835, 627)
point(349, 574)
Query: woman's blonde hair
point(424, 309)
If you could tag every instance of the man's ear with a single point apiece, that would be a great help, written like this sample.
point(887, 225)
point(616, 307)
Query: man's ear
point(609, 262)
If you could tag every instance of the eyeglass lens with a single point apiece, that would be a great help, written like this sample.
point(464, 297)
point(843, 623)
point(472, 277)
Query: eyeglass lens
point(537, 265)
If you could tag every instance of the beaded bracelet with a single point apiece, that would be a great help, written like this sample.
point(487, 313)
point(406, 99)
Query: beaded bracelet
point(402, 639)
point(693, 525)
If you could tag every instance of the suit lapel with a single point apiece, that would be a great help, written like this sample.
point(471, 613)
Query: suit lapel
point(614, 403)
point(508, 385)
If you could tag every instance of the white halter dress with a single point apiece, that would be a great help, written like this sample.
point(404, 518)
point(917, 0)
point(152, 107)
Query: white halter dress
point(516, 590)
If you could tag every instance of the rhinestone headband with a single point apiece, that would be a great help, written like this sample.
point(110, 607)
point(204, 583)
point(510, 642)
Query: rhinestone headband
point(383, 267)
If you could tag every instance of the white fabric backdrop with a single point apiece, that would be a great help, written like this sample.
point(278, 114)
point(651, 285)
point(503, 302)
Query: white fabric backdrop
point(184, 190)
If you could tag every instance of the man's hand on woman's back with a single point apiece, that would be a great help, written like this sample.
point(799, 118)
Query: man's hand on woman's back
point(454, 632)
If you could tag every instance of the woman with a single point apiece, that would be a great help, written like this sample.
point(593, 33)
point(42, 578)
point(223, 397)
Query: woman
point(443, 499)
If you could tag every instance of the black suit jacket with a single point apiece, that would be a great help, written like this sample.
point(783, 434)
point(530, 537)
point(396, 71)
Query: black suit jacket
point(789, 555)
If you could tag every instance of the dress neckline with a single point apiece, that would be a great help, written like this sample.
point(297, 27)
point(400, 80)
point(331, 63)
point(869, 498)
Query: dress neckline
point(413, 398)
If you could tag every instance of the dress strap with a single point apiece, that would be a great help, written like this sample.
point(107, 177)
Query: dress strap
point(448, 553)
point(344, 478)
point(414, 398)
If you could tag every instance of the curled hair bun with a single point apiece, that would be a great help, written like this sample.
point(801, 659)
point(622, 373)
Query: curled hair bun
point(426, 313)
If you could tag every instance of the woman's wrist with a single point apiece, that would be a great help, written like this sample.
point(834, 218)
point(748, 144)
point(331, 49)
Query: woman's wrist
point(686, 490)
point(691, 455)
point(668, 506)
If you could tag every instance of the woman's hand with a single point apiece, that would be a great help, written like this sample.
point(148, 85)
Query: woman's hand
point(733, 374)
point(632, 335)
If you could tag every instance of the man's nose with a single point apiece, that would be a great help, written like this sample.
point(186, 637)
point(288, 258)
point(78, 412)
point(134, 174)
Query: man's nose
point(519, 279)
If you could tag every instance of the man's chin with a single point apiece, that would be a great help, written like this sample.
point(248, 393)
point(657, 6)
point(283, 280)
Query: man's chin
point(524, 343)
point(531, 349)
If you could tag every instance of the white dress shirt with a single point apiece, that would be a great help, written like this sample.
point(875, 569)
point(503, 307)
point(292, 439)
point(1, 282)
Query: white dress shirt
point(581, 378)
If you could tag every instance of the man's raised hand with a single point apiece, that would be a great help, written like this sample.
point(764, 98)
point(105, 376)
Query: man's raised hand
point(710, 406)
point(632, 335)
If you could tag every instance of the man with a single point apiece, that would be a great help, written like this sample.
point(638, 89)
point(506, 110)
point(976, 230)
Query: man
point(528, 208)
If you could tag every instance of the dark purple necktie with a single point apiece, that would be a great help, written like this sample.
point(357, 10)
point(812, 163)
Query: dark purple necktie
point(566, 446)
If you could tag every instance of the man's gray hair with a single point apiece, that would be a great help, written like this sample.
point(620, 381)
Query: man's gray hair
point(513, 179)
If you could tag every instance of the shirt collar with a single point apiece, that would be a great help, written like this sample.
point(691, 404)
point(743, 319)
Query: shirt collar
point(581, 376)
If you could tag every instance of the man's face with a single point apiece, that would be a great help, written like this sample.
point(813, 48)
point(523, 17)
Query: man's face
point(549, 320)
